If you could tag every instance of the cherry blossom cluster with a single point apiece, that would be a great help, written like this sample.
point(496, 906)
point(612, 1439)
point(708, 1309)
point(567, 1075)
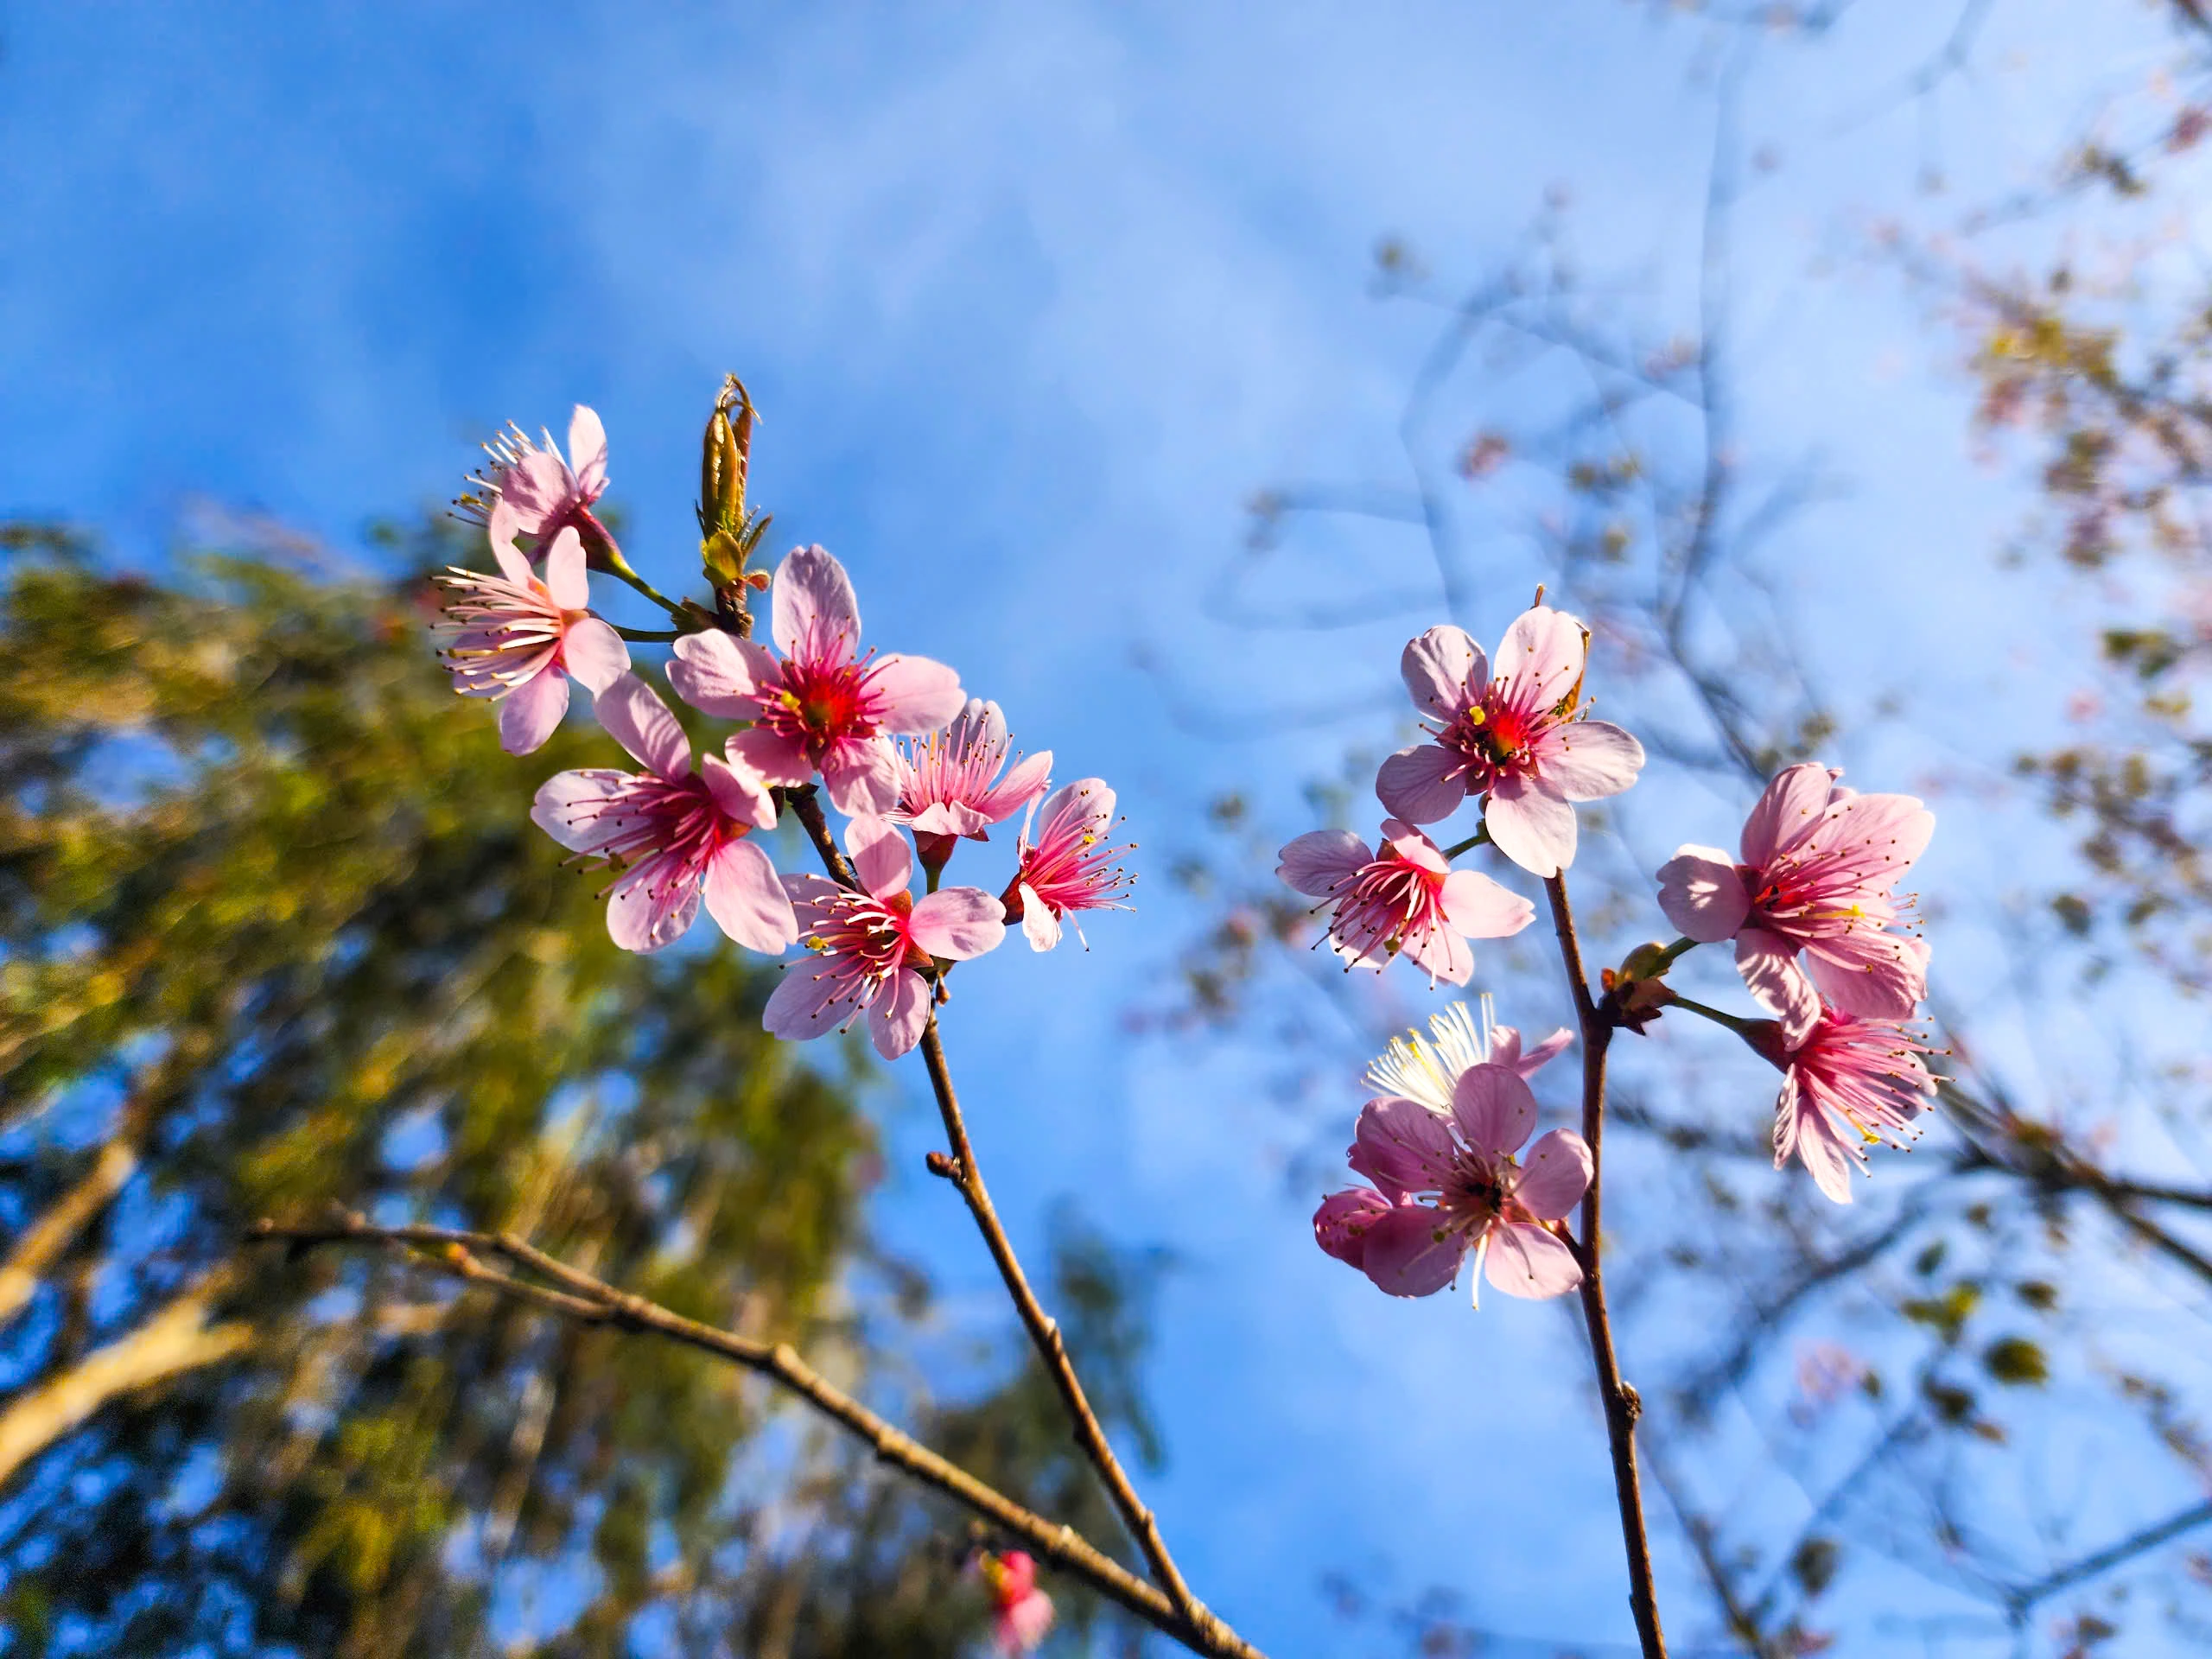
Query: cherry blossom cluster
point(892, 740)
point(1823, 944)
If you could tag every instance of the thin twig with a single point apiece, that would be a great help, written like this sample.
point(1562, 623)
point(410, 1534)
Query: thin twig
point(593, 1301)
point(1622, 1404)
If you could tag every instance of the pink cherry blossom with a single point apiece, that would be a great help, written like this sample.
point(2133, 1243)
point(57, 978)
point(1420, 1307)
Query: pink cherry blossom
point(1819, 863)
point(1021, 1612)
point(1067, 865)
point(950, 783)
point(1427, 1068)
point(1849, 1084)
point(542, 492)
point(1448, 1184)
point(674, 833)
point(1406, 899)
point(824, 707)
point(1515, 737)
point(870, 945)
point(519, 639)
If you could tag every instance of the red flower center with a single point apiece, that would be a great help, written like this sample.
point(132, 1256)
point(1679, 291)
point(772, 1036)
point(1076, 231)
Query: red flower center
point(820, 703)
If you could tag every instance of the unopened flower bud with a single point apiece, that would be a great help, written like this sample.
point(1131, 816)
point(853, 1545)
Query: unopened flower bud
point(1650, 961)
point(723, 457)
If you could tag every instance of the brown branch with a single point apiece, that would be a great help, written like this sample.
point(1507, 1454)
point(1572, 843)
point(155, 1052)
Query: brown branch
point(593, 1301)
point(1622, 1403)
point(808, 809)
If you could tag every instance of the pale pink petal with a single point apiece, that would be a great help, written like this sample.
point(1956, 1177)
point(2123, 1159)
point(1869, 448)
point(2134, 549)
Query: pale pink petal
point(1768, 965)
point(746, 900)
point(1022, 1625)
point(1879, 975)
point(812, 896)
point(775, 759)
point(805, 1003)
point(1799, 1126)
point(1554, 1175)
point(739, 791)
point(959, 923)
point(530, 712)
point(1895, 828)
point(1039, 925)
point(1790, 806)
point(1423, 784)
point(1028, 778)
point(1533, 827)
point(813, 607)
point(915, 694)
point(1440, 953)
point(1540, 660)
point(641, 723)
point(1402, 1147)
point(572, 807)
point(1444, 671)
point(863, 776)
point(587, 451)
point(1587, 759)
point(1414, 847)
point(646, 910)
point(720, 674)
point(1340, 1224)
point(1493, 1108)
point(538, 487)
point(1529, 1261)
point(1321, 860)
point(950, 818)
point(1483, 909)
point(899, 1012)
point(1702, 894)
point(879, 855)
point(594, 654)
point(501, 526)
point(1409, 1253)
point(1505, 1050)
point(565, 583)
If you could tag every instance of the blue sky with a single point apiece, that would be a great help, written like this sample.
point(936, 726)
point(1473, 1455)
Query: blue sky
point(1033, 298)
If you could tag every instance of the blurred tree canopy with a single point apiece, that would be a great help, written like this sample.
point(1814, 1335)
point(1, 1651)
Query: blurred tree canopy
point(280, 935)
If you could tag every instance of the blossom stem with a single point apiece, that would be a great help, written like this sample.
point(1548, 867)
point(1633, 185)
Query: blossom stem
point(1741, 1027)
point(648, 635)
point(576, 1294)
point(1480, 836)
point(1622, 1403)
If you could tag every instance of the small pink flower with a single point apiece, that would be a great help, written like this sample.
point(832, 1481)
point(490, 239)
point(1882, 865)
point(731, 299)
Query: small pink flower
point(1427, 1068)
point(1847, 1084)
point(544, 493)
point(871, 944)
point(1515, 737)
point(825, 707)
point(1819, 863)
point(519, 639)
point(1409, 898)
point(949, 785)
point(1446, 1184)
point(672, 832)
point(1066, 866)
point(1021, 1612)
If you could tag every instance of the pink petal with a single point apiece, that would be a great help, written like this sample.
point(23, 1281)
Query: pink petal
point(1030, 777)
point(1790, 805)
point(1555, 1174)
point(646, 910)
point(812, 896)
point(863, 776)
point(1409, 1254)
point(1039, 925)
point(949, 818)
point(1533, 827)
point(805, 1004)
point(746, 900)
point(565, 583)
point(959, 923)
point(1529, 1261)
point(1480, 908)
point(571, 807)
point(530, 712)
point(1702, 894)
point(1768, 965)
point(915, 694)
point(1895, 827)
point(899, 1012)
point(1321, 860)
point(641, 723)
point(814, 606)
point(1020, 1627)
point(718, 673)
point(1540, 660)
point(587, 451)
point(594, 654)
point(1441, 954)
point(1505, 1050)
point(1588, 760)
point(1414, 847)
point(1878, 975)
point(879, 855)
point(739, 791)
point(1493, 1108)
point(1801, 1126)
point(1340, 1224)
point(500, 526)
point(1423, 784)
point(775, 759)
point(1402, 1147)
point(1444, 670)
